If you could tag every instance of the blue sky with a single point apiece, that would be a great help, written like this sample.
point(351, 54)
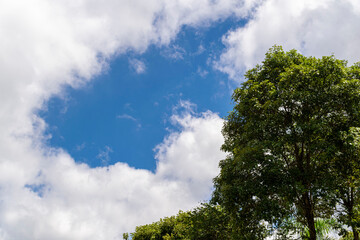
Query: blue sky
point(123, 114)
point(111, 111)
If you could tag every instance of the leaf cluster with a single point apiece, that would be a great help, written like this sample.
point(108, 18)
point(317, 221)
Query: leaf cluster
point(205, 222)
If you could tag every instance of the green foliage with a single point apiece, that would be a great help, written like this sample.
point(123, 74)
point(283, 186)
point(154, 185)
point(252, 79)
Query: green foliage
point(206, 222)
point(291, 229)
point(167, 228)
point(125, 236)
point(347, 236)
point(283, 137)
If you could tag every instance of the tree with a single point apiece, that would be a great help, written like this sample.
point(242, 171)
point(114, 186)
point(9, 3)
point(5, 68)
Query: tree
point(205, 222)
point(284, 137)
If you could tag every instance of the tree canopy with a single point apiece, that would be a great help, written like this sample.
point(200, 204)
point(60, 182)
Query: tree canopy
point(205, 222)
point(286, 138)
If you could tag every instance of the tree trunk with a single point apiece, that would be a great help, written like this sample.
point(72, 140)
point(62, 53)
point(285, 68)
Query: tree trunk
point(350, 207)
point(309, 215)
point(356, 233)
point(312, 230)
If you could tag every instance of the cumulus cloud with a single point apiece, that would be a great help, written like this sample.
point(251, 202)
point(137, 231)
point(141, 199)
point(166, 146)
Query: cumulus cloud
point(315, 28)
point(180, 156)
point(47, 45)
point(67, 200)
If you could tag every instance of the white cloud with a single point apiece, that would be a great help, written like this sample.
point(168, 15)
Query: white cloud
point(47, 45)
point(129, 117)
point(174, 52)
point(79, 202)
point(182, 155)
point(126, 116)
point(138, 66)
point(315, 28)
point(202, 72)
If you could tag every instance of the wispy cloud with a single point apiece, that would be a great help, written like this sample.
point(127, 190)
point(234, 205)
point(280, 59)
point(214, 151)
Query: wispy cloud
point(126, 116)
point(127, 106)
point(129, 117)
point(202, 72)
point(104, 156)
point(201, 49)
point(174, 52)
point(80, 147)
point(137, 65)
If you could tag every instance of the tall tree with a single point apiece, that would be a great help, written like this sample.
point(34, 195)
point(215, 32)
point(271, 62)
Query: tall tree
point(283, 137)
